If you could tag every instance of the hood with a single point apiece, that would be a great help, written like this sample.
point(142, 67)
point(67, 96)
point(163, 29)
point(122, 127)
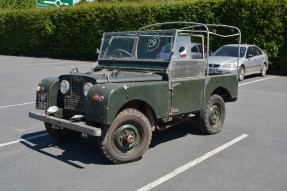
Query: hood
point(105, 76)
point(220, 60)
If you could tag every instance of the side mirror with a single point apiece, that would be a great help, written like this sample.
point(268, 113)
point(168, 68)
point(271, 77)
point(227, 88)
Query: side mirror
point(249, 56)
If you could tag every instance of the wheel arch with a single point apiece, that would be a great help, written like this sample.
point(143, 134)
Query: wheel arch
point(242, 66)
point(224, 93)
point(143, 107)
point(266, 64)
point(225, 86)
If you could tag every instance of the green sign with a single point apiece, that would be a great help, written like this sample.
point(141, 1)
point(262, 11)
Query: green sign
point(57, 3)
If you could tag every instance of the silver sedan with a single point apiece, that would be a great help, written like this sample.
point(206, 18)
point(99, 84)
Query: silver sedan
point(252, 60)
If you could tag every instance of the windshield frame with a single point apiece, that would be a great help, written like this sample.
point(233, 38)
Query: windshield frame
point(135, 63)
point(137, 35)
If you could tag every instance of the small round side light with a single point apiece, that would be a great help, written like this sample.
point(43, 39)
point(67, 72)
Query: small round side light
point(40, 89)
point(95, 97)
point(101, 98)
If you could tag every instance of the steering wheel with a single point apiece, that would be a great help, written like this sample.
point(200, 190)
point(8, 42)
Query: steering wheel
point(120, 51)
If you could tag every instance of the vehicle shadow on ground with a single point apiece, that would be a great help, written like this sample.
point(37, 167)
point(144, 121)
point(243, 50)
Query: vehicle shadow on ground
point(77, 153)
point(252, 76)
point(185, 128)
point(85, 151)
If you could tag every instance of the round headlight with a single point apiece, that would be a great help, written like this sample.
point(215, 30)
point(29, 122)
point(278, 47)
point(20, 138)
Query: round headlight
point(87, 87)
point(64, 86)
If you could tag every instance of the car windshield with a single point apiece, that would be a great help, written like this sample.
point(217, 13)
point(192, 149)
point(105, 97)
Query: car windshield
point(136, 45)
point(231, 51)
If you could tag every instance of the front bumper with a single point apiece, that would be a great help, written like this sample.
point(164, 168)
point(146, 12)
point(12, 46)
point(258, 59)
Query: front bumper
point(222, 71)
point(75, 126)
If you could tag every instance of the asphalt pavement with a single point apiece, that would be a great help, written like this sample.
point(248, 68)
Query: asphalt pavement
point(250, 152)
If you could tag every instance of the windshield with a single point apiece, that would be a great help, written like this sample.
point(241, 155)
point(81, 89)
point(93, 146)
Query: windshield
point(136, 45)
point(231, 51)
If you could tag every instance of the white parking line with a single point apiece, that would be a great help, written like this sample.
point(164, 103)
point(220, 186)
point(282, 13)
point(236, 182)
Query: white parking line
point(23, 140)
point(191, 164)
point(7, 106)
point(256, 81)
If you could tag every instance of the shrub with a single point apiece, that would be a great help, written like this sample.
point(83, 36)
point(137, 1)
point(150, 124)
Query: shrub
point(76, 32)
point(17, 4)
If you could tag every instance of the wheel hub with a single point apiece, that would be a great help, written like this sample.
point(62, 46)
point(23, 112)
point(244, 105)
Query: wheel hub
point(127, 139)
point(214, 117)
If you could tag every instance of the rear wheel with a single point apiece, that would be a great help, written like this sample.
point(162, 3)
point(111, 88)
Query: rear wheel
point(128, 137)
point(241, 73)
point(212, 116)
point(263, 70)
point(62, 134)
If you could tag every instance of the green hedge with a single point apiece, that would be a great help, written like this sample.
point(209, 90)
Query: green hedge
point(17, 4)
point(75, 32)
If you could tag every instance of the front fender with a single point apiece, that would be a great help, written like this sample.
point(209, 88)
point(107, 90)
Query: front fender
point(116, 95)
point(51, 87)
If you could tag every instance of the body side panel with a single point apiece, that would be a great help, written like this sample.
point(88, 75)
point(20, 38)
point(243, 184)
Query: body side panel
point(187, 95)
point(227, 82)
point(155, 94)
point(51, 87)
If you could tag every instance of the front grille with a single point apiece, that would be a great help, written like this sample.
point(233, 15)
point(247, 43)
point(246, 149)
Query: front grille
point(75, 99)
point(214, 65)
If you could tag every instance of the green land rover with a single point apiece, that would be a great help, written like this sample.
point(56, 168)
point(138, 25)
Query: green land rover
point(143, 81)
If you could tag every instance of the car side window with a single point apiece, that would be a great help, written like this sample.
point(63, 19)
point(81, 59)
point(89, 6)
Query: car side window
point(199, 48)
point(256, 51)
point(194, 49)
point(249, 52)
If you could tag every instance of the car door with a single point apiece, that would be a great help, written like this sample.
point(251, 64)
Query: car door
point(259, 58)
point(187, 77)
point(250, 61)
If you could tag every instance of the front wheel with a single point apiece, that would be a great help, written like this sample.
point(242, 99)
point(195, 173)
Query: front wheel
point(128, 137)
point(241, 73)
point(212, 115)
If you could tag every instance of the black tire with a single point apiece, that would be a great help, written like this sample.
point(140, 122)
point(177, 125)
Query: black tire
point(128, 137)
point(212, 116)
point(263, 70)
point(241, 73)
point(62, 134)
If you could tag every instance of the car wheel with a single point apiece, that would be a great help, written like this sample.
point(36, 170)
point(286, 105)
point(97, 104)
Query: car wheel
point(241, 73)
point(263, 70)
point(62, 134)
point(212, 116)
point(128, 137)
